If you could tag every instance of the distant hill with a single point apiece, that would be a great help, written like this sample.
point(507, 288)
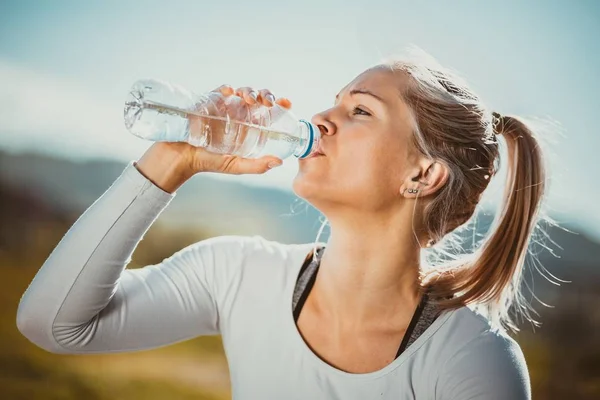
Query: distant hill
point(203, 201)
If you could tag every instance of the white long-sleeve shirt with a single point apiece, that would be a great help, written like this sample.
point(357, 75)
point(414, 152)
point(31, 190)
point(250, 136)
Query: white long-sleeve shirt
point(83, 300)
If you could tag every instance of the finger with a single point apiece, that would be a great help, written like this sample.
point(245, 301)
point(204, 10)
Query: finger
point(266, 97)
point(240, 165)
point(225, 90)
point(283, 102)
point(248, 94)
point(272, 162)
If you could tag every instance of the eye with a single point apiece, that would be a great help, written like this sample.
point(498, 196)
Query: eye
point(360, 110)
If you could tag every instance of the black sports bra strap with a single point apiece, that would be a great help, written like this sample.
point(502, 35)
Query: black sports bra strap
point(412, 324)
point(304, 285)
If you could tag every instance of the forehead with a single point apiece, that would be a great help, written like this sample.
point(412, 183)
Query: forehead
point(380, 80)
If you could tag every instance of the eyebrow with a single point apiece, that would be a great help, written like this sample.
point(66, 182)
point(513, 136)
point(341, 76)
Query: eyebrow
point(362, 91)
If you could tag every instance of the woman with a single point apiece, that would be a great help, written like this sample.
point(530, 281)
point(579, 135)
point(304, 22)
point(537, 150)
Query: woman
point(408, 150)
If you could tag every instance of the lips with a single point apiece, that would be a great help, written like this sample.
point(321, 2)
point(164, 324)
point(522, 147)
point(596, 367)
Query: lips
point(319, 151)
point(316, 154)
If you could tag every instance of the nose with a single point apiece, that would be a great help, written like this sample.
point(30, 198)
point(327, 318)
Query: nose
point(325, 126)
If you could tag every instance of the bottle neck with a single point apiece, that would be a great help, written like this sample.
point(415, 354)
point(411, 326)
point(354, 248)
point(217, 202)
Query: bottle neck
point(311, 135)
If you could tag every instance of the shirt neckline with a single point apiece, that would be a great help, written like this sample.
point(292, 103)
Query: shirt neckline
point(303, 289)
point(306, 351)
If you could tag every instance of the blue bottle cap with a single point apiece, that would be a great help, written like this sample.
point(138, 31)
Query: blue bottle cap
point(314, 135)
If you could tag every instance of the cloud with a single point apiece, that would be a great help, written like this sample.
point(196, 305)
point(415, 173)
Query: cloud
point(42, 112)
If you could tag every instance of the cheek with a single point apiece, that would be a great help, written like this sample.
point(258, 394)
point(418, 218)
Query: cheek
point(368, 159)
point(361, 176)
point(365, 169)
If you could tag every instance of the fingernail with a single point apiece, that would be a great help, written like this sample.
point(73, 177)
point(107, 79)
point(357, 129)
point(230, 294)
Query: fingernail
point(227, 88)
point(274, 164)
point(271, 98)
point(253, 95)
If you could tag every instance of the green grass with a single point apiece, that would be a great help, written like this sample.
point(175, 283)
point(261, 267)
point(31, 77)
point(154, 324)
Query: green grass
point(28, 372)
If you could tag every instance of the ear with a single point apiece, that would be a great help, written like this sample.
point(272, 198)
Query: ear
point(428, 179)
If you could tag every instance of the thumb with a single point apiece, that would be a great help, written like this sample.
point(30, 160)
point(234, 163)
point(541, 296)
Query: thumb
point(240, 165)
point(271, 162)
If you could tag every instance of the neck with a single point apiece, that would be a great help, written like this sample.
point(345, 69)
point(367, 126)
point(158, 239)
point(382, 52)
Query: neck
point(368, 273)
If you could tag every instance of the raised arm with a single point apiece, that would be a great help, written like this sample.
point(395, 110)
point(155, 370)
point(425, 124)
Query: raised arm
point(83, 300)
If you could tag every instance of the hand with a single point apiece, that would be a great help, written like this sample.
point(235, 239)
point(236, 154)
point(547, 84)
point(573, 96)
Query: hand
point(169, 164)
point(237, 104)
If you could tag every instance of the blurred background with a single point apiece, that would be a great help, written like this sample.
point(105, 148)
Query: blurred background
point(66, 66)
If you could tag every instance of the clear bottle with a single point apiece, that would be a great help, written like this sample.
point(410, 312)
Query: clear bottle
point(160, 111)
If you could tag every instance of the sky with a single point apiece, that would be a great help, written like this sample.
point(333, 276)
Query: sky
point(66, 67)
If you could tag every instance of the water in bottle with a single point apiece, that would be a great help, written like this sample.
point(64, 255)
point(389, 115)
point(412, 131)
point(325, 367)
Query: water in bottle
point(159, 111)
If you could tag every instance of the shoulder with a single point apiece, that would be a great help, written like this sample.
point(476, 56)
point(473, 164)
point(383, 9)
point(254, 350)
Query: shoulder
point(226, 249)
point(239, 245)
point(235, 266)
point(274, 250)
point(238, 252)
point(258, 245)
point(481, 362)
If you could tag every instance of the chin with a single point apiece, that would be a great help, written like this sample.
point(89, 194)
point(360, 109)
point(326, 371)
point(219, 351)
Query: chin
point(300, 186)
point(316, 192)
point(306, 186)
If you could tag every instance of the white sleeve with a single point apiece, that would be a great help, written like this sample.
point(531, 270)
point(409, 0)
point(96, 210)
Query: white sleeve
point(83, 300)
point(489, 367)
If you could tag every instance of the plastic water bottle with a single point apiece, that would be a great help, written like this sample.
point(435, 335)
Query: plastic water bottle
point(160, 111)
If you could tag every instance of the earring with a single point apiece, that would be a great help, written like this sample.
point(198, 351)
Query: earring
point(413, 190)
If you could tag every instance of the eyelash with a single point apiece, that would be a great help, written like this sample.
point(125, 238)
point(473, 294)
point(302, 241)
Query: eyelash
point(360, 109)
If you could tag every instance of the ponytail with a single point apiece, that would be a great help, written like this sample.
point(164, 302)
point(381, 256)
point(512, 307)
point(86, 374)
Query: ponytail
point(491, 277)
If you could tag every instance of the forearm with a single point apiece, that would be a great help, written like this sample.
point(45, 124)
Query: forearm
point(80, 276)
